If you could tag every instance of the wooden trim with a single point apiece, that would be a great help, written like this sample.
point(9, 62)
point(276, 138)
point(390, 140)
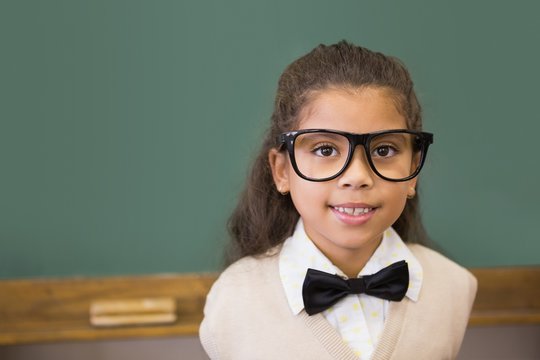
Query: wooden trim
point(507, 295)
point(50, 310)
point(53, 310)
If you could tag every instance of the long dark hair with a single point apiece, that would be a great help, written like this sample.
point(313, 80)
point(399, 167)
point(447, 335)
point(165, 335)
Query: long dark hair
point(264, 218)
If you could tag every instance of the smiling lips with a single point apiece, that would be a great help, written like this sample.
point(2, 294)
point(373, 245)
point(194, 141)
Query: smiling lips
point(353, 214)
point(353, 211)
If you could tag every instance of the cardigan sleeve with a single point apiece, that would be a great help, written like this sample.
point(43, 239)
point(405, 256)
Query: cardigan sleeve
point(207, 341)
point(206, 335)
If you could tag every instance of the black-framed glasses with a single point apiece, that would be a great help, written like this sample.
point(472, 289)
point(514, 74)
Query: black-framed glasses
point(322, 155)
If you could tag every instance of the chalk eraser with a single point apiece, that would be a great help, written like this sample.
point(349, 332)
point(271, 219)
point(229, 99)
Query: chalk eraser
point(124, 312)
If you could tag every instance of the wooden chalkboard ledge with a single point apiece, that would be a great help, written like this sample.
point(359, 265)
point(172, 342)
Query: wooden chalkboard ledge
point(54, 310)
point(507, 296)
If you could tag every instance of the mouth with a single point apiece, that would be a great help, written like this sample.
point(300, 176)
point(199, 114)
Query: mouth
point(353, 214)
point(354, 211)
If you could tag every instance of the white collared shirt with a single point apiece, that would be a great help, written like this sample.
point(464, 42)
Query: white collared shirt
point(358, 318)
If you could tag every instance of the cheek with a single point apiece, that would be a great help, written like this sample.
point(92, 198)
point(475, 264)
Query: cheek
point(305, 191)
point(307, 196)
point(396, 194)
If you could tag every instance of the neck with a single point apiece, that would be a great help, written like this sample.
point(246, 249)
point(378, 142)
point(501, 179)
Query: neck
point(352, 265)
point(350, 261)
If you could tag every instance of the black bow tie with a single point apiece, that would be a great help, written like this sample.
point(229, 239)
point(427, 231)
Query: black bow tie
point(322, 290)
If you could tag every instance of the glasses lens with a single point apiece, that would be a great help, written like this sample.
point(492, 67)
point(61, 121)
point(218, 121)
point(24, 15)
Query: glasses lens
point(320, 155)
point(396, 155)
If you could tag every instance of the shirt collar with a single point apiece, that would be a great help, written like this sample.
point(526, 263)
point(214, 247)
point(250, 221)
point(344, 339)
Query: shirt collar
point(299, 253)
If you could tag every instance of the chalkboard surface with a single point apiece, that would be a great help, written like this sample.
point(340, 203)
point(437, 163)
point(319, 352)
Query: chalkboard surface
point(127, 127)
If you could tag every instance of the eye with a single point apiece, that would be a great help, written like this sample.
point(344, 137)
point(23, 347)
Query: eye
point(325, 151)
point(384, 151)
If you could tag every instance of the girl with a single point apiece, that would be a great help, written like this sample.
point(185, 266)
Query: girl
point(327, 238)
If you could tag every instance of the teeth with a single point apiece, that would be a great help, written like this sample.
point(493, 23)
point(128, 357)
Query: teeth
point(353, 211)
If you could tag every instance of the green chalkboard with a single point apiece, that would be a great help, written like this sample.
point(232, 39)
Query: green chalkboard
point(127, 127)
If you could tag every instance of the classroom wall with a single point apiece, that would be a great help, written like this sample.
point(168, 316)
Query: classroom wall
point(480, 343)
point(127, 127)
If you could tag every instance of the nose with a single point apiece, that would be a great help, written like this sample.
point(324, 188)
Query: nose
point(358, 173)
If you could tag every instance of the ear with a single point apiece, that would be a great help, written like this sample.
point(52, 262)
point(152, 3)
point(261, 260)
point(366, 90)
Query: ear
point(279, 164)
point(411, 192)
point(412, 183)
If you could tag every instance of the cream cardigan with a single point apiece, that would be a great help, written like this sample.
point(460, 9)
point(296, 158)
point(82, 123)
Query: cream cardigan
point(247, 316)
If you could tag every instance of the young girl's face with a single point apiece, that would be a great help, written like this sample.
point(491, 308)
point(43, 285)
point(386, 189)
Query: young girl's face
point(335, 233)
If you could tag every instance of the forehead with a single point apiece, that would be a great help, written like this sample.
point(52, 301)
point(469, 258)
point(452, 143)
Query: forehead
point(353, 110)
